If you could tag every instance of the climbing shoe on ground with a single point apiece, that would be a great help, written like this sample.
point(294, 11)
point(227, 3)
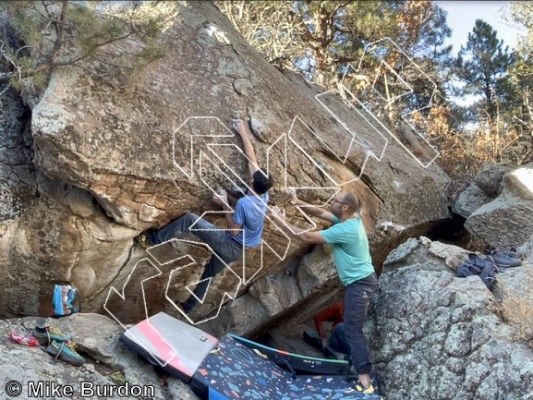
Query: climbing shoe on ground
point(512, 252)
point(473, 266)
point(502, 259)
point(66, 351)
point(143, 241)
point(359, 388)
point(45, 335)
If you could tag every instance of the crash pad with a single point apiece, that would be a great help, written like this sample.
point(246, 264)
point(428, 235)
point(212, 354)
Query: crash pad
point(234, 371)
point(170, 344)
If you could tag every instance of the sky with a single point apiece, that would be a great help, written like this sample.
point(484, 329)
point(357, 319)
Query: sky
point(461, 19)
point(462, 16)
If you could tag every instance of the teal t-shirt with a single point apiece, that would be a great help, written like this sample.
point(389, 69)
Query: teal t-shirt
point(350, 249)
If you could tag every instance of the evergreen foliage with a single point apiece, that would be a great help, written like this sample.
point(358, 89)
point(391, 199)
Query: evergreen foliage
point(41, 35)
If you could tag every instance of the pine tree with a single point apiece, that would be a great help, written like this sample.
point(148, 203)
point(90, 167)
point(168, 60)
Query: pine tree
point(483, 68)
point(38, 36)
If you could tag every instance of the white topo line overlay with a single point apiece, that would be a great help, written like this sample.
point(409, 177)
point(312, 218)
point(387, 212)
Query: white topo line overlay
point(209, 153)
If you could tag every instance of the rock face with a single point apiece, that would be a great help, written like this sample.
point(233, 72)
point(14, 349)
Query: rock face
point(435, 336)
point(470, 200)
point(112, 162)
point(505, 221)
point(304, 287)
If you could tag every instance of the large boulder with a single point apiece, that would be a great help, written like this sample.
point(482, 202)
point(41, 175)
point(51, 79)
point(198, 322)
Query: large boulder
point(490, 179)
point(435, 336)
point(115, 160)
point(470, 199)
point(506, 221)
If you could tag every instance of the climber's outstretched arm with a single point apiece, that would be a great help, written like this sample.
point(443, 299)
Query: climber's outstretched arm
point(239, 127)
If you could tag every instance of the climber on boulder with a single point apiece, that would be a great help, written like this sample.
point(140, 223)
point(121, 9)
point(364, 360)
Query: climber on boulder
point(244, 224)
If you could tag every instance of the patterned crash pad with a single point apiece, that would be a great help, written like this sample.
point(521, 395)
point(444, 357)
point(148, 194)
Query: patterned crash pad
point(235, 371)
point(170, 344)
